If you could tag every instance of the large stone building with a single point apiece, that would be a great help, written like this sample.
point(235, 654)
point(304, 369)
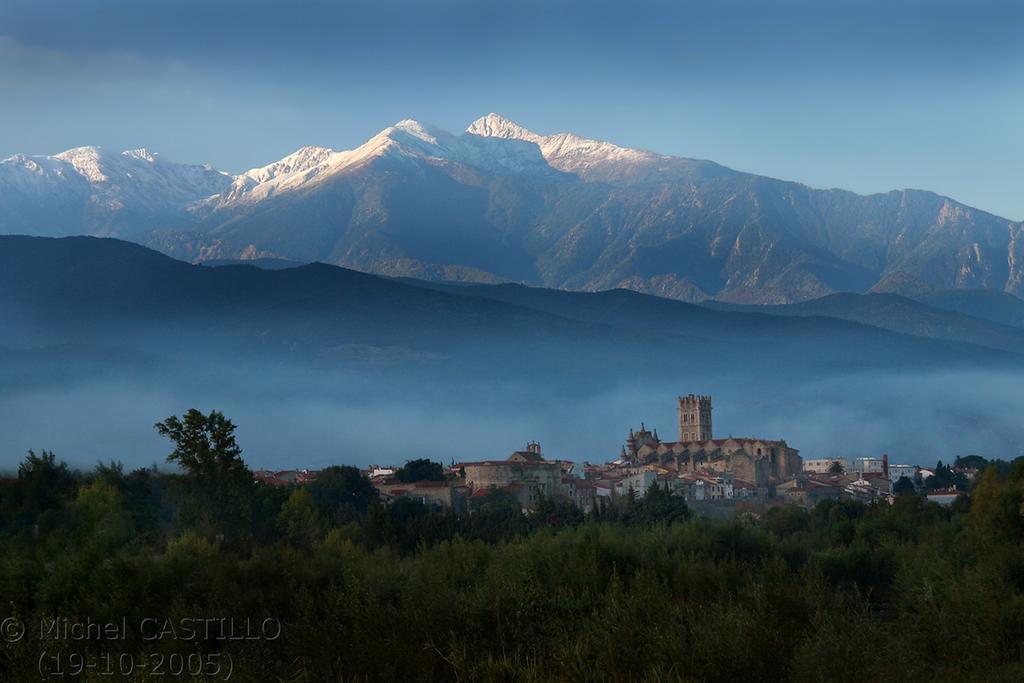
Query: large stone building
point(525, 473)
point(499, 473)
point(754, 460)
point(435, 494)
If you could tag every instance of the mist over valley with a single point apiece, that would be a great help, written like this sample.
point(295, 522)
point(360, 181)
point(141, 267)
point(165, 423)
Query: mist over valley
point(319, 364)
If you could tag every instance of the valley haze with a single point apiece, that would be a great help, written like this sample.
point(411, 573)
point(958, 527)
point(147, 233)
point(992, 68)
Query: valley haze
point(321, 364)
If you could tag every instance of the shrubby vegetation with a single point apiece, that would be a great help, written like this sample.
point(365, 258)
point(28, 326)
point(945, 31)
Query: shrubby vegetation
point(843, 592)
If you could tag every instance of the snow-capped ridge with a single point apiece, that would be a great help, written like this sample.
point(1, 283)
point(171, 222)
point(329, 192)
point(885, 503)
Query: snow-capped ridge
point(572, 153)
point(141, 153)
point(87, 161)
point(497, 126)
point(300, 160)
point(416, 129)
point(142, 179)
point(492, 143)
point(136, 184)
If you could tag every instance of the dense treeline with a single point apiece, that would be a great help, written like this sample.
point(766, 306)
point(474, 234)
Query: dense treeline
point(367, 591)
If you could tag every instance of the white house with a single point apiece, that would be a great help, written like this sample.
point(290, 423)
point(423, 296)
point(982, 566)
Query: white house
point(897, 471)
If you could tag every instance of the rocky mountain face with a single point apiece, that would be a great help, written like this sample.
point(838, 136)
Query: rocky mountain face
point(501, 203)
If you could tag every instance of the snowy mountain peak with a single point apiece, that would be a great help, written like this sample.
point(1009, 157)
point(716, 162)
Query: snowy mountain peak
point(141, 153)
point(416, 130)
point(88, 161)
point(492, 143)
point(497, 126)
point(79, 152)
point(411, 126)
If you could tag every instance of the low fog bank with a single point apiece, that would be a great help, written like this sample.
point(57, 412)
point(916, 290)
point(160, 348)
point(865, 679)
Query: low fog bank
point(289, 418)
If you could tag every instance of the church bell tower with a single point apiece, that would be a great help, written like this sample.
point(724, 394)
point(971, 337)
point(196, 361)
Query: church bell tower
point(694, 418)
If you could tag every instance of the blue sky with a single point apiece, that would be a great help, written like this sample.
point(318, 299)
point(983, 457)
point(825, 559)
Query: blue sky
point(865, 95)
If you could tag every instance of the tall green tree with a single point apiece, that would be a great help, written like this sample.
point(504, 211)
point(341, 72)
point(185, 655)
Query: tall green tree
point(970, 461)
point(204, 445)
point(997, 507)
point(659, 505)
point(99, 515)
point(420, 469)
point(902, 486)
point(218, 494)
point(342, 493)
point(43, 484)
point(300, 520)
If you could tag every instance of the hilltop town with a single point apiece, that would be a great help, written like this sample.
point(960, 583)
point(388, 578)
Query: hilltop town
point(715, 476)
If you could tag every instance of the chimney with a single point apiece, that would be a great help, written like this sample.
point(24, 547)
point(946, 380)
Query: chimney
point(885, 464)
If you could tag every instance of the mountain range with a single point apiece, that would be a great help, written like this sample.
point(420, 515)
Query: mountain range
point(500, 203)
point(83, 290)
point(92, 294)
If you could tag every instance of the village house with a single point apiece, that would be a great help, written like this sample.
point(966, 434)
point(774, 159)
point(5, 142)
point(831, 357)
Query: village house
point(869, 465)
point(637, 481)
point(581, 492)
point(526, 475)
point(378, 472)
point(869, 487)
point(285, 477)
point(438, 495)
point(898, 471)
point(807, 491)
point(826, 465)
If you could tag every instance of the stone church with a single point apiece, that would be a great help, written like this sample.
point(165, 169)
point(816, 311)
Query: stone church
point(754, 460)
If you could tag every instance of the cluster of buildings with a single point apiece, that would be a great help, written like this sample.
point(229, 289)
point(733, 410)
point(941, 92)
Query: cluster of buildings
point(708, 472)
point(698, 467)
point(863, 479)
point(285, 477)
point(526, 475)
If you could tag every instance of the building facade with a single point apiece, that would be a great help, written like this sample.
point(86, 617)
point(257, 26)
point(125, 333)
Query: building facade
point(825, 465)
